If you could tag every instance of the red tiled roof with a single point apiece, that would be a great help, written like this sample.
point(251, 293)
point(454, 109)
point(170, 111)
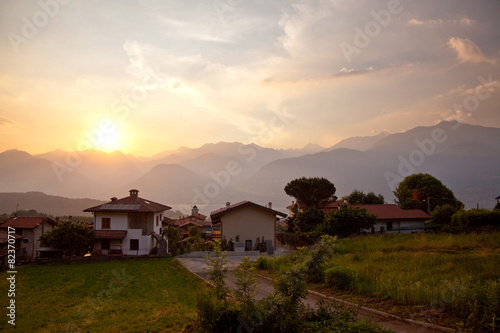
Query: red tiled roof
point(168, 221)
point(383, 211)
point(26, 222)
point(130, 204)
point(110, 234)
point(218, 213)
point(188, 223)
point(389, 212)
point(4, 238)
point(332, 205)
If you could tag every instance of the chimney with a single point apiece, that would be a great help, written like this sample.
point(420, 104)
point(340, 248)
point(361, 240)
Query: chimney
point(114, 198)
point(134, 194)
point(270, 205)
point(228, 204)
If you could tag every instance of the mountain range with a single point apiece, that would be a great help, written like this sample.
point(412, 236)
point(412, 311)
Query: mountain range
point(466, 158)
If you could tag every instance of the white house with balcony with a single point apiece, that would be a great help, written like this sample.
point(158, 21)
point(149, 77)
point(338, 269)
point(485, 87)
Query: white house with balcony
point(126, 226)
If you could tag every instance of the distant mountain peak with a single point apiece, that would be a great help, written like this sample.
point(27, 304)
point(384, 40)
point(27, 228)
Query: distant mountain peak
point(361, 143)
point(313, 146)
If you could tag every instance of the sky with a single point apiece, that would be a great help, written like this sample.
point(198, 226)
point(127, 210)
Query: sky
point(148, 76)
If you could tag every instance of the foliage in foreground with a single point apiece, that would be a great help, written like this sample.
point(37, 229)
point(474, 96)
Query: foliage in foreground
point(283, 311)
point(458, 275)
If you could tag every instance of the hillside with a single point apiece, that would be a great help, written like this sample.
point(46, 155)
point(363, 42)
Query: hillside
point(465, 159)
point(49, 204)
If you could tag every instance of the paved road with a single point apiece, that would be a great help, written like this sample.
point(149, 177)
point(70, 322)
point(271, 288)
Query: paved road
point(199, 267)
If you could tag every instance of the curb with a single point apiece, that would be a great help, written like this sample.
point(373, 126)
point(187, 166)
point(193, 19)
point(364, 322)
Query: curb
point(377, 312)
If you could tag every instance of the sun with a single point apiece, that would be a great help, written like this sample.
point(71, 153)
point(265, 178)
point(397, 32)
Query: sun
point(110, 140)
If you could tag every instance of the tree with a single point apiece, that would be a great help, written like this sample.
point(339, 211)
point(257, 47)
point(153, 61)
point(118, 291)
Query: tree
point(442, 214)
point(195, 232)
point(359, 198)
point(311, 192)
point(217, 270)
point(308, 220)
point(246, 282)
point(347, 220)
point(423, 191)
point(174, 237)
point(75, 238)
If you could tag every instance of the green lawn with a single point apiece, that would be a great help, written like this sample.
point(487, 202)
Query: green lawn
point(156, 295)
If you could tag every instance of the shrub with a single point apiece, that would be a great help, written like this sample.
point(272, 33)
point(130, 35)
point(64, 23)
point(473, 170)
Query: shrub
point(476, 218)
point(340, 277)
point(214, 316)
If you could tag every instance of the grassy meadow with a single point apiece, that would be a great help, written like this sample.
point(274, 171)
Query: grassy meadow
point(451, 279)
point(133, 295)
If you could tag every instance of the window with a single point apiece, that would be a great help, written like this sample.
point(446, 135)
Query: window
point(19, 231)
point(106, 223)
point(157, 220)
point(134, 244)
point(389, 226)
point(25, 240)
point(105, 244)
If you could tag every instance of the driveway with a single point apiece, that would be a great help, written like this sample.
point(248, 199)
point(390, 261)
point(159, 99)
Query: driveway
point(199, 267)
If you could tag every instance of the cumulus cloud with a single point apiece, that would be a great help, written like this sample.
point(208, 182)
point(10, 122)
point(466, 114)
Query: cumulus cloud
point(468, 51)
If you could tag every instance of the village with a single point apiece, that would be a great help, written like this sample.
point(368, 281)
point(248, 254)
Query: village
point(134, 226)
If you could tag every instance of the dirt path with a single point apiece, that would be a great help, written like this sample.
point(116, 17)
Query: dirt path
point(265, 287)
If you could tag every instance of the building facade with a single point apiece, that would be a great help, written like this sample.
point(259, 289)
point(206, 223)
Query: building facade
point(246, 221)
point(125, 226)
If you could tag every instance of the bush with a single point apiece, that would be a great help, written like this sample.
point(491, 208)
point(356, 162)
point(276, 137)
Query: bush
point(347, 221)
point(336, 318)
point(340, 277)
point(476, 218)
point(214, 316)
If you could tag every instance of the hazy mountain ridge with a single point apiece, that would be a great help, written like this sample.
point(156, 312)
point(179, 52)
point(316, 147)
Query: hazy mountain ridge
point(361, 143)
point(55, 205)
point(466, 159)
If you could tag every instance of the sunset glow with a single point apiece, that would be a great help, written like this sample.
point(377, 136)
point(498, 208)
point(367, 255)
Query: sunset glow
point(182, 74)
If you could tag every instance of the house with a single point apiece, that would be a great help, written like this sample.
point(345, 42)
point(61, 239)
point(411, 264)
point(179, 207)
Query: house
point(31, 228)
point(391, 218)
point(4, 247)
point(247, 220)
point(128, 226)
point(195, 219)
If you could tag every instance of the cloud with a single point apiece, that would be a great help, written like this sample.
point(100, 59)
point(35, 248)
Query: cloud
point(440, 22)
point(467, 51)
point(8, 122)
point(345, 72)
point(426, 23)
